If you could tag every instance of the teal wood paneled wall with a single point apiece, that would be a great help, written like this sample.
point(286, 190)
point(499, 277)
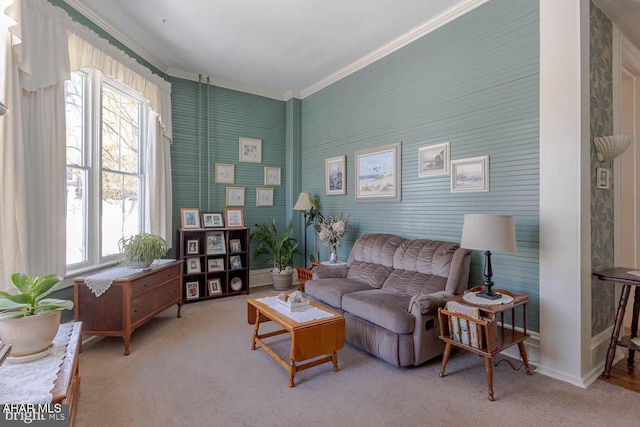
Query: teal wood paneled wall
point(207, 123)
point(474, 83)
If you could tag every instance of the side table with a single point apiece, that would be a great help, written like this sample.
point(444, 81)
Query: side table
point(621, 275)
point(497, 337)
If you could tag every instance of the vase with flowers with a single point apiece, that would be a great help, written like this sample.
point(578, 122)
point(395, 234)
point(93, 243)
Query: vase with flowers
point(331, 233)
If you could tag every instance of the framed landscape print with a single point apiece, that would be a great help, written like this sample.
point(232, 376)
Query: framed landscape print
point(470, 175)
point(335, 177)
point(212, 220)
point(215, 243)
point(271, 176)
point(434, 160)
point(250, 150)
point(224, 173)
point(264, 196)
point(235, 218)
point(378, 174)
point(235, 196)
point(190, 217)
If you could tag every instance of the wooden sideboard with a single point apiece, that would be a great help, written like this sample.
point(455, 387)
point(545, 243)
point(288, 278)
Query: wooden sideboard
point(129, 302)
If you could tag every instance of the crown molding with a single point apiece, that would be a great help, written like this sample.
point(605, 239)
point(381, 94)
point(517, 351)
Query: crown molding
point(91, 14)
point(225, 84)
point(421, 30)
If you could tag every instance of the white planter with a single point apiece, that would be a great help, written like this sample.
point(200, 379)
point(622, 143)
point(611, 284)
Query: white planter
point(31, 334)
point(282, 281)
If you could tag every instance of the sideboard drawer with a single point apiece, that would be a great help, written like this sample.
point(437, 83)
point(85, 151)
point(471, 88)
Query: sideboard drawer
point(148, 304)
point(152, 280)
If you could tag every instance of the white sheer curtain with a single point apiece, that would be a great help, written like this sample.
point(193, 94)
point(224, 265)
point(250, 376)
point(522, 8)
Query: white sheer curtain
point(38, 53)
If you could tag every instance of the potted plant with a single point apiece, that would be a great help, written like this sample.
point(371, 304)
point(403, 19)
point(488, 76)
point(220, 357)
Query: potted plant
point(140, 250)
point(279, 248)
point(28, 320)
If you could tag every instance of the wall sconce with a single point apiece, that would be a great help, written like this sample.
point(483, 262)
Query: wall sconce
point(3, 109)
point(610, 147)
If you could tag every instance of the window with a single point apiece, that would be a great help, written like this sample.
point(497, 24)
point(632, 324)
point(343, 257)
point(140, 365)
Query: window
point(105, 177)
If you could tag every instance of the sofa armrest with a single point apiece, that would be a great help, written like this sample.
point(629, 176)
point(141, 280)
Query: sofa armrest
point(325, 272)
point(429, 303)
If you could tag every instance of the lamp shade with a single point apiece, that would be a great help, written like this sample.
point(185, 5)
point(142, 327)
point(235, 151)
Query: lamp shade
point(304, 202)
point(489, 233)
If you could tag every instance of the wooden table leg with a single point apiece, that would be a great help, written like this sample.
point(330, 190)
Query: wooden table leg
point(445, 358)
point(624, 297)
point(256, 326)
point(292, 372)
point(634, 325)
point(488, 365)
point(523, 354)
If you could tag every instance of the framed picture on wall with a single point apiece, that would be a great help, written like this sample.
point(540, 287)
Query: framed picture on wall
point(378, 174)
point(271, 176)
point(470, 175)
point(250, 150)
point(224, 173)
point(433, 160)
point(335, 176)
point(264, 196)
point(235, 196)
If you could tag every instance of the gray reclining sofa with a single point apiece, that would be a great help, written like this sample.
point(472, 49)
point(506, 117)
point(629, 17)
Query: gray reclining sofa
point(389, 293)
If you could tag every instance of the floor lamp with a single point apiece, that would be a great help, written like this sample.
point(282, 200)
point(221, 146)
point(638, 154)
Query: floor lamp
point(304, 204)
point(488, 233)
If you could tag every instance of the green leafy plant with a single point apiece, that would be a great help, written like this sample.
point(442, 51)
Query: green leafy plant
point(140, 250)
point(279, 248)
point(31, 297)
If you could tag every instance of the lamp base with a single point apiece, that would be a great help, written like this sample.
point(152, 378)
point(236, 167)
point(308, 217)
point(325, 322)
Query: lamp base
point(489, 294)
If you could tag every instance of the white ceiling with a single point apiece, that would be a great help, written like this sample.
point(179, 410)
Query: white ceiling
point(284, 48)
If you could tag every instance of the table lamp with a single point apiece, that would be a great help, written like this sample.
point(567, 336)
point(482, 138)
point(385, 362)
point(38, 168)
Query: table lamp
point(488, 233)
point(305, 204)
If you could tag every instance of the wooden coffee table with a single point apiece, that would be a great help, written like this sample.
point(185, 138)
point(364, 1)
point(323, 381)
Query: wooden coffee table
point(309, 339)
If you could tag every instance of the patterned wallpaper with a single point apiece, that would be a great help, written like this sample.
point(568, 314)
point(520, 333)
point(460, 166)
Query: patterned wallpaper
point(602, 220)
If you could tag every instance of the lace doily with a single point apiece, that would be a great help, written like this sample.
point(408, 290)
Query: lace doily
point(100, 282)
point(472, 298)
point(32, 382)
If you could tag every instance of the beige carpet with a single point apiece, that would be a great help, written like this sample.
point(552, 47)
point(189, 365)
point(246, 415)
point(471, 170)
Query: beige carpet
point(200, 371)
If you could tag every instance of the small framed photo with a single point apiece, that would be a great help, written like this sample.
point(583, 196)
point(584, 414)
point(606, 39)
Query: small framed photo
point(234, 246)
point(271, 176)
point(215, 264)
point(264, 196)
point(215, 287)
point(235, 218)
point(193, 265)
point(192, 247)
point(250, 150)
point(212, 220)
point(235, 262)
point(193, 290)
point(434, 160)
point(335, 177)
point(470, 175)
point(235, 196)
point(378, 174)
point(215, 243)
point(602, 178)
point(224, 173)
point(190, 217)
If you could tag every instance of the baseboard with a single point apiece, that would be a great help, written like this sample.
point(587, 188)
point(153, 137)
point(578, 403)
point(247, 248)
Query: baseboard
point(532, 346)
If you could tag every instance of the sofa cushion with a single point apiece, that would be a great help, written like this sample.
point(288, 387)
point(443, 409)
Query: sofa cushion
point(425, 256)
point(373, 274)
point(375, 249)
point(330, 291)
point(414, 283)
point(383, 308)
